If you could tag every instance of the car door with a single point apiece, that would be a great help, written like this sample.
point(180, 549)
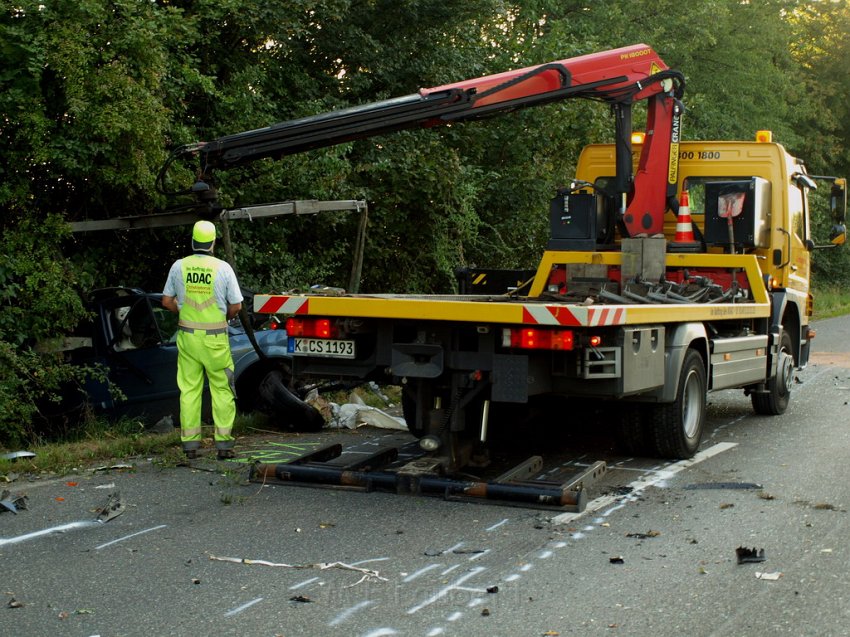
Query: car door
point(142, 355)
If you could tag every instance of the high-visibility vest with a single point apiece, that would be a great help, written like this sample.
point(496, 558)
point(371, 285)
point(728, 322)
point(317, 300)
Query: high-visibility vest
point(200, 310)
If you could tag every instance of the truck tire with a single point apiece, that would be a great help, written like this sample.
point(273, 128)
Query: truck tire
point(676, 428)
point(775, 400)
point(633, 437)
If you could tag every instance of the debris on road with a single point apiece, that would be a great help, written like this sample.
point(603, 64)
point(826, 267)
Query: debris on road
point(643, 536)
point(724, 485)
point(114, 467)
point(368, 574)
point(772, 577)
point(13, 603)
point(749, 556)
point(301, 598)
point(616, 560)
point(492, 589)
point(357, 413)
point(9, 502)
point(438, 552)
point(825, 506)
point(112, 509)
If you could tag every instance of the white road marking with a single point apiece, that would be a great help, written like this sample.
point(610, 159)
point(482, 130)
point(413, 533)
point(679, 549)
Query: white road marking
point(239, 609)
point(127, 537)
point(497, 525)
point(374, 559)
point(661, 475)
point(446, 590)
point(381, 632)
point(348, 612)
point(303, 584)
point(454, 616)
point(421, 571)
point(83, 524)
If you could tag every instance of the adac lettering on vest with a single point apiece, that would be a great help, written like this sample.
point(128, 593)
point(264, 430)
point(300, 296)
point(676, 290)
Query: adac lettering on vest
point(203, 276)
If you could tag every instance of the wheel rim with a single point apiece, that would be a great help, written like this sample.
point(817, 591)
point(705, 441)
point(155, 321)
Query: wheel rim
point(691, 405)
point(786, 371)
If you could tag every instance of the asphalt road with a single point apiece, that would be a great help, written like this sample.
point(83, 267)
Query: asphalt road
point(654, 553)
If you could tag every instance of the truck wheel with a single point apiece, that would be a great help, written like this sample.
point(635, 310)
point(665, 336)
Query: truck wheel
point(676, 428)
point(632, 435)
point(775, 400)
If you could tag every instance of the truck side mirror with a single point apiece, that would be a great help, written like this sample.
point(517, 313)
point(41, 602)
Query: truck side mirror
point(838, 211)
point(838, 234)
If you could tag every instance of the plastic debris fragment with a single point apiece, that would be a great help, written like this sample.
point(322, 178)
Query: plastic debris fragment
point(749, 556)
point(112, 509)
point(13, 503)
point(769, 576)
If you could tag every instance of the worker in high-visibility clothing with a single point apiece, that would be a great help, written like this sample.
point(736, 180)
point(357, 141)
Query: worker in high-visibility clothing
point(204, 292)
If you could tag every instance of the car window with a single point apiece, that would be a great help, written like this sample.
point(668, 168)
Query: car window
point(166, 321)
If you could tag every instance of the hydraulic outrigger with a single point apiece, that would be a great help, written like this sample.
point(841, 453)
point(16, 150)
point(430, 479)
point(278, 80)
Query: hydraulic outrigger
point(405, 470)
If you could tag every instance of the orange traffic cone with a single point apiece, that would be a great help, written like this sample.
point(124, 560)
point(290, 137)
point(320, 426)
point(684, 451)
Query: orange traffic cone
point(684, 240)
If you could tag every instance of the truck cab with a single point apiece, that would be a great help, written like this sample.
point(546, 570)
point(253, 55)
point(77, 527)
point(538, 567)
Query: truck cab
point(772, 222)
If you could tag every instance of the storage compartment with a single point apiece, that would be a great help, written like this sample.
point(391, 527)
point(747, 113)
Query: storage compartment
point(740, 361)
point(572, 221)
point(643, 359)
point(636, 365)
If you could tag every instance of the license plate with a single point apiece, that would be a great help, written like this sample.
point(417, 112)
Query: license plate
point(333, 348)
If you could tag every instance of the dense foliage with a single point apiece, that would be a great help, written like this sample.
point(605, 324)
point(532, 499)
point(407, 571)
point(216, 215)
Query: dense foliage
point(94, 94)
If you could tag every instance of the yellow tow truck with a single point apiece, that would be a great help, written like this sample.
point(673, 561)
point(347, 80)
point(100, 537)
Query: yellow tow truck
point(674, 268)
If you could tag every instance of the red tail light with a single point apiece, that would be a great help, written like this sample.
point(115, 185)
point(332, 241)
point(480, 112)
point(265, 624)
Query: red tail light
point(311, 327)
point(537, 338)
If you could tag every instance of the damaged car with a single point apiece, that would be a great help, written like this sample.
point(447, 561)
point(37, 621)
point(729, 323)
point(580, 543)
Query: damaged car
point(133, 339)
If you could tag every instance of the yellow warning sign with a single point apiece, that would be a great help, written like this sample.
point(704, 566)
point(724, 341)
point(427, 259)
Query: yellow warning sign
point(654, 68)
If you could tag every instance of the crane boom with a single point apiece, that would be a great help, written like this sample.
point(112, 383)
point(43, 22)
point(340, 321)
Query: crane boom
point(618, 77)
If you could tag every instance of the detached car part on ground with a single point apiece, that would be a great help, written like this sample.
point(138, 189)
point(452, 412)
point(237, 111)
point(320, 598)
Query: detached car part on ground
point(134, 339)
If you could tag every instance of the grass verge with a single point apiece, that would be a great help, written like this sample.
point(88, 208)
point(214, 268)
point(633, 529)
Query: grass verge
point(99, 442)
point(831, 300)
point(102, 441)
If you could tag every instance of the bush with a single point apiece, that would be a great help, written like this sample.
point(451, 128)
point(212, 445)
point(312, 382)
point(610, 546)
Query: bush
point(39, 298)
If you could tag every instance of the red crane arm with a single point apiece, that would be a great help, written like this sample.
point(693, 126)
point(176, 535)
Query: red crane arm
point(619, 77)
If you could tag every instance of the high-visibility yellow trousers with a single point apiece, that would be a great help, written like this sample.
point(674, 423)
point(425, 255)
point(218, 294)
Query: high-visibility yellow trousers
point(198, 354)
